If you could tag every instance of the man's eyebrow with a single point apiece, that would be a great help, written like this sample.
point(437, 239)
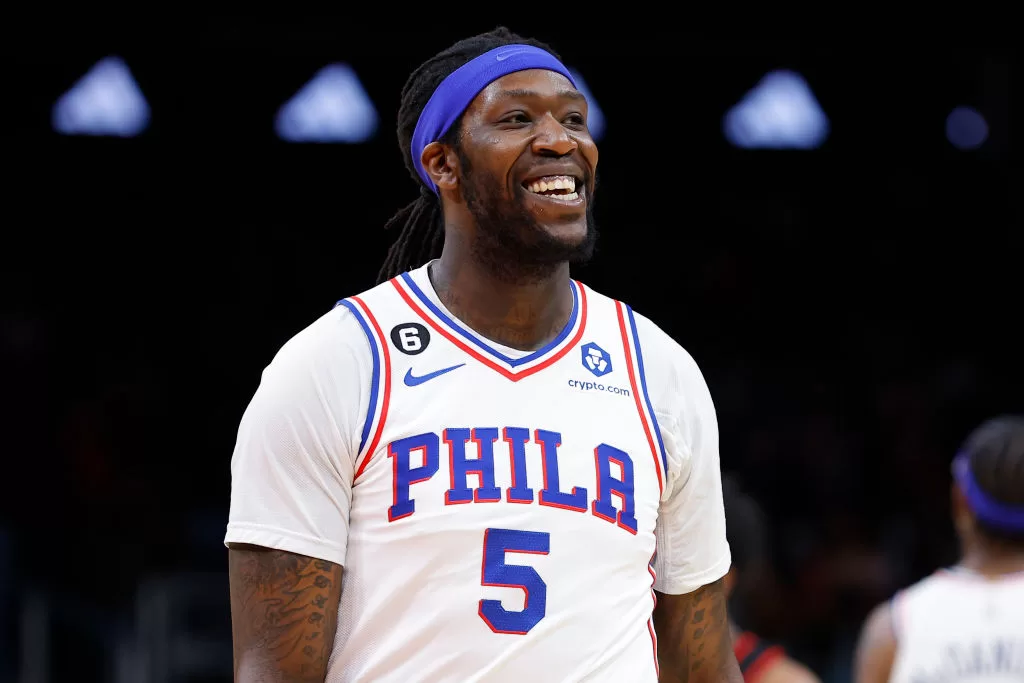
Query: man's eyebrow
point(520, 93)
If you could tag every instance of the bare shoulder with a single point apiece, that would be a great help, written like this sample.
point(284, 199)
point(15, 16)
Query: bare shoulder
point(878, 627)
point(284, 612)
point(876, 646)
point(787, 670)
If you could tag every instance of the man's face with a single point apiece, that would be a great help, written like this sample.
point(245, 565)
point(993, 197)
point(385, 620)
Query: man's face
point(527, 169)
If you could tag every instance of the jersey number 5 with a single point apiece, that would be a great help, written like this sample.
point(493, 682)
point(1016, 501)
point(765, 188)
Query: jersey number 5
point(498, 542)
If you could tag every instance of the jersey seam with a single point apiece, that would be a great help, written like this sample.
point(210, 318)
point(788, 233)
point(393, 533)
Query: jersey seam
point(298, 536)
point(700, 578)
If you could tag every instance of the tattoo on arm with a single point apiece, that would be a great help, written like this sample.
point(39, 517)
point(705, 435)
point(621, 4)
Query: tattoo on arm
point(284, 614)
point(694, 642)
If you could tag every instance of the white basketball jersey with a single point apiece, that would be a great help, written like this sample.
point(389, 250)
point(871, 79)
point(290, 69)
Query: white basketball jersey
point(496, 511)
point(958, 627)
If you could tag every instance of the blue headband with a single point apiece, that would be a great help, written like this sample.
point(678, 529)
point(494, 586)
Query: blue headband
point(991, 512)
point(460, 87)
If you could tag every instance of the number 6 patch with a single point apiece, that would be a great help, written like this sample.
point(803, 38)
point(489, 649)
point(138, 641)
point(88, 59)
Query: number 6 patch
point(410, 338)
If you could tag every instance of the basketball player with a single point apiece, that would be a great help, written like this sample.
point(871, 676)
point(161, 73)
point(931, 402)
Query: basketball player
point(760, 660)
point(966, 623)
point(491, 450)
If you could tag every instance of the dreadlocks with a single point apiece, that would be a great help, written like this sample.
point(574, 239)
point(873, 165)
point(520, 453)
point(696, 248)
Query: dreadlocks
point(421, 224)
point(996, 452)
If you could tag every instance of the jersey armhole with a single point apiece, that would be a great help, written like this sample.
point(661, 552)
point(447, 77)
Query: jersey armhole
point(641, 396)
point(380, 383)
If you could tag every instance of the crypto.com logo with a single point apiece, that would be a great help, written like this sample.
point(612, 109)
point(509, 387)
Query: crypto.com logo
point(596, 359)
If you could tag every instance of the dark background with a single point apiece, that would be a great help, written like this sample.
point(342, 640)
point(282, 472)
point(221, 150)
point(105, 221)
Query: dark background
point(853, 307)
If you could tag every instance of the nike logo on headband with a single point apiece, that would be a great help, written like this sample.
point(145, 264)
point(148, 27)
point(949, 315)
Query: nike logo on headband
point(505, 55)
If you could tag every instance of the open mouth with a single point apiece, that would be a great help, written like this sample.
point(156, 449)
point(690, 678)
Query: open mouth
point(558, 187)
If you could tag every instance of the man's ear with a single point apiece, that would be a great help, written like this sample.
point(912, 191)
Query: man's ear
point(441, 165)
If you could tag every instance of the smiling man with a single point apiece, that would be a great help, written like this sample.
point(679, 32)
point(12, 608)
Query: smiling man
point(463, 473)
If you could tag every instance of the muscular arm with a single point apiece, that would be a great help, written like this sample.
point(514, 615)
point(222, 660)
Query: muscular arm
point(284, 613)
point(694, 643)
point(876, 647)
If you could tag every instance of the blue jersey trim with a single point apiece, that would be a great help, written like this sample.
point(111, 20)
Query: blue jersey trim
point(483, 345)
point(643, 387)
point(375, 378)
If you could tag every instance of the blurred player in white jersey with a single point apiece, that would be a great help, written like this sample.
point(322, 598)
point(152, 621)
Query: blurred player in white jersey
point(963, 624)
point(482, 469)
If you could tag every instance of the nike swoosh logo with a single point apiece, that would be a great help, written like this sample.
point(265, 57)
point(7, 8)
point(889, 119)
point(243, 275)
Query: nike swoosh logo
point(412, 380)
point(505, 55)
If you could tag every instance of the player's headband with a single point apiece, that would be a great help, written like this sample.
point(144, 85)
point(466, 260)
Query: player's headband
point(989, 511)
point(460, 87)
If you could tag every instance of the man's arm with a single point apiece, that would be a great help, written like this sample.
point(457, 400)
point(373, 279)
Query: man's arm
point(876, 647)
point(291, 490)
point(694, 643)
point(284, 614)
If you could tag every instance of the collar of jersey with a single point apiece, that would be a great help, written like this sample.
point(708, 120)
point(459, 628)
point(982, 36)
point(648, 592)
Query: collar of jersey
point(960, 571)
point(414, 285)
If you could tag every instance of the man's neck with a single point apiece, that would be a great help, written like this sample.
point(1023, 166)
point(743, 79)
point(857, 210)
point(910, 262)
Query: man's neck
point(525, 314)
point(992, 559)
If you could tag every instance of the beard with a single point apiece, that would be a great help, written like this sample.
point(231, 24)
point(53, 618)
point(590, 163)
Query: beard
point(510, 240)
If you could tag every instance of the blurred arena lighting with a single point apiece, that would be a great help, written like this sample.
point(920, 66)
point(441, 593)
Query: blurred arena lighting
point(332, 107)
point(966, 129)
point(595, 117)
point(780, 112)
point(105, 101)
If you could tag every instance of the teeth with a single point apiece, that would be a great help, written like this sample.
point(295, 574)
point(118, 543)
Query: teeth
point(560, 182)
